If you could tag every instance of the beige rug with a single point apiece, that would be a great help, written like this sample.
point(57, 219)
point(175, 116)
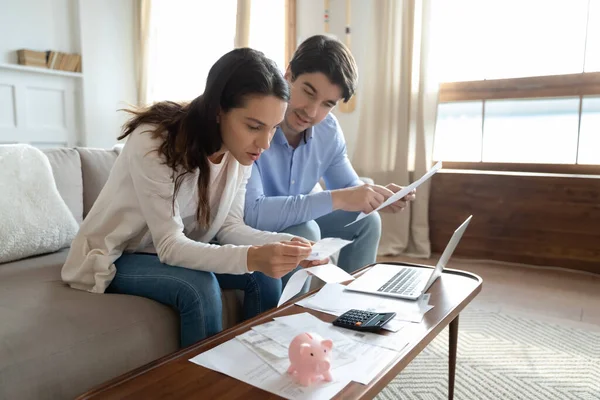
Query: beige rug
point(505, 357)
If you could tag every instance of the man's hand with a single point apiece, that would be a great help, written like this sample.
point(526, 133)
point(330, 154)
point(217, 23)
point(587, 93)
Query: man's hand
point(365, 198)
point(400, 204)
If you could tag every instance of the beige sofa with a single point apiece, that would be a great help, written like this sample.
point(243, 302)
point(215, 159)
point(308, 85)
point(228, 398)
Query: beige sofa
point(57, 342)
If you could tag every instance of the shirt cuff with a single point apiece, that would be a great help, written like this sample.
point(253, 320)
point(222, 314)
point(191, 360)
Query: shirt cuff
point(244, 260)
point(284, 237)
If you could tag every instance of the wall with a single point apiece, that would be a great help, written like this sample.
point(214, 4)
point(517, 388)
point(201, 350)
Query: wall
point(107, 38)
point(309, 14)
point(538, 219)
point(103, 32)
point(37, 25)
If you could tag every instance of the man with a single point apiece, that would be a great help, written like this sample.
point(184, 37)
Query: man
point(309, 145)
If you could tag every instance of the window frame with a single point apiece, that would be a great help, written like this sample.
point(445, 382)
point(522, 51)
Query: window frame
point(534, 87)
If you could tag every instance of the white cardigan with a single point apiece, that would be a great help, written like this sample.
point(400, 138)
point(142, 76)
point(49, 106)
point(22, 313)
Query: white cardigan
point(134, 212)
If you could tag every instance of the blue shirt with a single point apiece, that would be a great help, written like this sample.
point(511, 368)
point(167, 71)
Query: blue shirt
point(278, 192)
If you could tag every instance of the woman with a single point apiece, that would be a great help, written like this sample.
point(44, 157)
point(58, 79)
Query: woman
point(178, 184)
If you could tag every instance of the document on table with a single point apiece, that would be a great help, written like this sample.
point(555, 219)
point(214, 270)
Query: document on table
point(403, 192)
point(271, 352)
point(327, 273)
point(334, 299)
point(265, 365)
point(327, 247)
point(283, 334)
point(226, 357)
point(370, 359)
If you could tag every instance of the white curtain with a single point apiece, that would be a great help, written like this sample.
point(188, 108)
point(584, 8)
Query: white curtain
point(179, 40)
point(398, 115)
point(142, 26)
point(186, 38)
point(267, 31)
point(242, 28)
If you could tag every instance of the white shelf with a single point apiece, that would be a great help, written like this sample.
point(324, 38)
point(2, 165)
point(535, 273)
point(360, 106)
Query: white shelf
point(39, 70)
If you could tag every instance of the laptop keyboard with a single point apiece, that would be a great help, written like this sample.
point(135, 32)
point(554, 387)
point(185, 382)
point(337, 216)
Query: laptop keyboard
point(404, 282)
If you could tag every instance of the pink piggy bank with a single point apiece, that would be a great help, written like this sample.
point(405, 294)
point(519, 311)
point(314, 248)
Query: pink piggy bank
point(309, 357)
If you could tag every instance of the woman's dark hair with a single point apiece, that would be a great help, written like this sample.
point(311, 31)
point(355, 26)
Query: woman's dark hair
point(329, 56)
point(191, 132)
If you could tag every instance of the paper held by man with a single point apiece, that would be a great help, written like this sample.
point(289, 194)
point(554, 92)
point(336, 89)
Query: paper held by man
point(403, 192)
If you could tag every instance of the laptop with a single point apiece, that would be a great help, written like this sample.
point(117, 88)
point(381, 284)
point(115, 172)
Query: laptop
point(405, 282)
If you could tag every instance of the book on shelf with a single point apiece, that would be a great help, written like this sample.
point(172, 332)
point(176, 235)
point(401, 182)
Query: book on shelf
point(64, 61)
point(50, 59)
point(31, 58)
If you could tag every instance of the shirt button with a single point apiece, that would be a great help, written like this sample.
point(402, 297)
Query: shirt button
point(293, 182)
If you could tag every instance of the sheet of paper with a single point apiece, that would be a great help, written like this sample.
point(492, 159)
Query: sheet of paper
point(330, 273)
point(283, 335)
point(327, 247)
point(265, 344)
point(263, 348)
point(334, 299)
point(327, 273)
point(226, 357)
point(370, 359)
point(396, 325)
point(283, 332)
point(406, 190)
point(293, 286)
point(392, 342)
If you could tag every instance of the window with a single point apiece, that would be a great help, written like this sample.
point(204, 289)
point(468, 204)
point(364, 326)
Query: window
point(520, 81)
point(189, 36)
point(458, 131)
point(589, 132)
point(267, 29)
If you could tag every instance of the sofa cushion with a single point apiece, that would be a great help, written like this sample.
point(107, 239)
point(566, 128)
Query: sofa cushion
point(35, 219)
point(95, 167)
point(57, 342)
point(66, 168)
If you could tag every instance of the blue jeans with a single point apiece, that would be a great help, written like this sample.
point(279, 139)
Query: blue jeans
point(195, 295)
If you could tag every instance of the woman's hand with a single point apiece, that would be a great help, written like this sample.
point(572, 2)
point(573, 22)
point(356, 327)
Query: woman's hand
point(307, 263)
point(277, 259)
point(314, 263)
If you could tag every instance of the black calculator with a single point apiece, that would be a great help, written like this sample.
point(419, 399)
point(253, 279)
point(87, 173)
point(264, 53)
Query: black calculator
point(365, 321)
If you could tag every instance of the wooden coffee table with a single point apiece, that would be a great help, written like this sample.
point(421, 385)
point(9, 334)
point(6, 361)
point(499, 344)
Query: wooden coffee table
point(175, 377)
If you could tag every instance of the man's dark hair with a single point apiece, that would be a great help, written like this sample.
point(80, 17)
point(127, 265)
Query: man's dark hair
point(329, 56)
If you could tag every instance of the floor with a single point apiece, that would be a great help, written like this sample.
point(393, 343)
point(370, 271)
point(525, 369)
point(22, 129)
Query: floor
point(557, 295)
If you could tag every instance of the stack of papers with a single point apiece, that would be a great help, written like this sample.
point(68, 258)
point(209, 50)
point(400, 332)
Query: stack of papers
point(226, 357)
point(275, 352)
point(356, 356)
point(334, 299)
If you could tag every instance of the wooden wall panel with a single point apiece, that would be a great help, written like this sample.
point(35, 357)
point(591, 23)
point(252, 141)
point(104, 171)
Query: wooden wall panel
point(540, 219)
